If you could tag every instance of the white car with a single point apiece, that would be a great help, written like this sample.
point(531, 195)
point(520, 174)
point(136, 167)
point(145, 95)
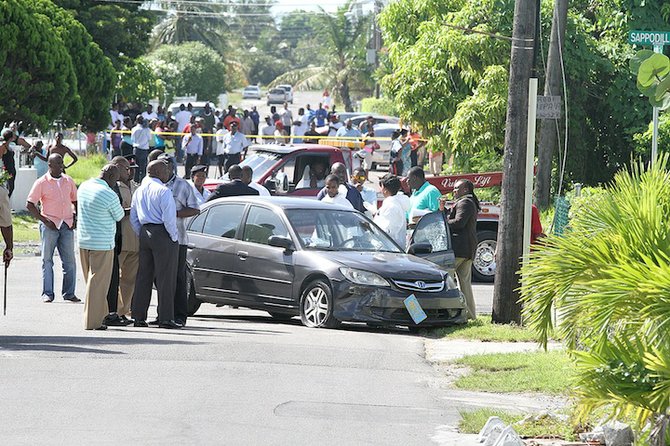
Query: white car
point(276, 96)
point(251, 92)
point(289, 92)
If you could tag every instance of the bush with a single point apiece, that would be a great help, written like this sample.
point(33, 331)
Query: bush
point(381, 106)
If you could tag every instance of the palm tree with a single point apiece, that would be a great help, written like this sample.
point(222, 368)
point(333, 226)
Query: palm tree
point(607, 284)
point(343, 38)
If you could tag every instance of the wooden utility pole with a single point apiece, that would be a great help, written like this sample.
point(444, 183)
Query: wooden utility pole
point(509, 250)
point(549, 131)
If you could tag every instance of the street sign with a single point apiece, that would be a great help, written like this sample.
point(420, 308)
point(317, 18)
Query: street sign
point(548, 107)
point(649, 37)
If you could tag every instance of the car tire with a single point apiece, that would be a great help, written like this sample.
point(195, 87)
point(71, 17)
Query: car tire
point(316, 306)
point(484, 264)
point(281, 316)
point(193, 303)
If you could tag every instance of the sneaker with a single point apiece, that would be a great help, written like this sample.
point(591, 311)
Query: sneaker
point(47, 299)
point(73, 299)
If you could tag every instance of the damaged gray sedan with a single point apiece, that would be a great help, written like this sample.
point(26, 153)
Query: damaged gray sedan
point(322, 262)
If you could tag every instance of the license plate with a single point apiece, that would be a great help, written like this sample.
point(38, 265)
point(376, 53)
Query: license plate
point(414, 309)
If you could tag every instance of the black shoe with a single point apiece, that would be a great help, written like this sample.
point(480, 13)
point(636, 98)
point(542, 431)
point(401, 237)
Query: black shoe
point(180, 322)
point(73, 299)
point(138, 323)
point(125, 319)
point(170, 325)
point(102, 327)
point(113, 320)
point(155, 322)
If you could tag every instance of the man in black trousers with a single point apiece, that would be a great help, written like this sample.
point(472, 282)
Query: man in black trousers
point(153, 215)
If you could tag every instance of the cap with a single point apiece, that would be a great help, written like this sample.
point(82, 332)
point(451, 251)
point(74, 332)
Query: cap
point(198, 168)
point(132, 160)
point(166, 157)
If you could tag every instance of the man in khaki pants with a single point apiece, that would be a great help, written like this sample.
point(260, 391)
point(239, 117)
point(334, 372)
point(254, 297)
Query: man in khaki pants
point(98, 210)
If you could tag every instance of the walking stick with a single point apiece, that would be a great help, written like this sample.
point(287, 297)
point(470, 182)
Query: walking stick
point(4, 305)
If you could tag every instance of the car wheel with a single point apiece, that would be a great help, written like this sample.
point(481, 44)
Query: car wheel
point(193, 303)
point(316, 306)
point(281, 316)
point(484, 264)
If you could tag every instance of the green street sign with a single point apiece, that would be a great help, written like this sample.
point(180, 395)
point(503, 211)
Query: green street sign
point(656, 38)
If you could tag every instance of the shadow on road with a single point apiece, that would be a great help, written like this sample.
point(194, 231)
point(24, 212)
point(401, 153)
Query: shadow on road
point(75, 344)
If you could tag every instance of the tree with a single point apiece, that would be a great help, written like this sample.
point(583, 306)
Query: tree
point(138, 84)
point(607, 280)
point(37, 79)
point(189, 68)
point(95, 74)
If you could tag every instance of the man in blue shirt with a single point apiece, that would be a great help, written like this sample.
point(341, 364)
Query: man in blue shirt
point(153, 215)
point(348, 131)
point(320, 115)
point(98, 209)
point(425, 197)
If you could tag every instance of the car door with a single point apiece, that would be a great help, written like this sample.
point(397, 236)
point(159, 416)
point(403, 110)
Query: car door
point(433, 229)
point(267, 272)
point(213, 253)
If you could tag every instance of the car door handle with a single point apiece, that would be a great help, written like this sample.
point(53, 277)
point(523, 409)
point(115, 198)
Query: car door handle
point(242, 255)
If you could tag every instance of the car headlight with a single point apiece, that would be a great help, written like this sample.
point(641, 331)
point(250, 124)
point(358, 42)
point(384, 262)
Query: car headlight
point(361, 277)
point(450, 282)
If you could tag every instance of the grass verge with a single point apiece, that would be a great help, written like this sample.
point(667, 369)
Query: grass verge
point(87, 167)
point(26, 228)
point(547, 372)
point(539, 427)
point(482, 329)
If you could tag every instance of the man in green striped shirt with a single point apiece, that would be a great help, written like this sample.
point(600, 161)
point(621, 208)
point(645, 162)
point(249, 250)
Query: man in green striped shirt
point(98, 209)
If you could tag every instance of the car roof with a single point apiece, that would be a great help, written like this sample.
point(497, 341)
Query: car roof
point(284, 149)
point(284, 203)
point(386, 125)
point(193, 103)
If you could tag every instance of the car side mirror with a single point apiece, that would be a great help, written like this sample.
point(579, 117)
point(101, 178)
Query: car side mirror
point(282, 183)
point(279, 241)
point(420, 248)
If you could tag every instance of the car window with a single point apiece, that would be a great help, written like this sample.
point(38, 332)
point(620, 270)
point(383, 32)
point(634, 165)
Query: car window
point(198, 222)
point(223, 220)
point(262, 224)
point(308, 166)
point(432, 229)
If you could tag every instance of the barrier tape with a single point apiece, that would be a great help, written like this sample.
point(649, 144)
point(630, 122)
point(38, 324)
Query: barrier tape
point(336, 138)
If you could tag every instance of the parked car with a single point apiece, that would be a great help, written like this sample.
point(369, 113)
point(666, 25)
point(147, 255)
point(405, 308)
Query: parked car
point(289, 92)
point(276, 96)
point(320, 261)
point(251, 92)
point(381, 157)
point(379, 119)
point(198, 107)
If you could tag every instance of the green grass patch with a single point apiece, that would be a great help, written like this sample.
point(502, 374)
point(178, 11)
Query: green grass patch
point(482, 329)
point(541, 427)
point(547, 372)
point(26, 228)
point(87, 167)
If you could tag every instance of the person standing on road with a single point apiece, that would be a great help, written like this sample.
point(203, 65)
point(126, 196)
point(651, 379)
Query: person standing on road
point(57, 195)
point(98, 209)
point(247, 124)
point(320, 115)
point(153, 216)
point(207, 123)
point(127, 249)
point(192, 147)
point(149, 114)
point(268, 131)
point(230, 118)
point(312, 135)
point(234, 187)
point(220, 147)
point(256, 118)
point(352, 194)
point(198, 178)
point(287, 118)
point(234, 143)
point(182, 117)
point(425, 197)
point(348, 131)
point(186, 205)
point(462, 221)
point(248, 179)
point(141, 137)
point(391, 215)
point(299, 126)
point(5, 209)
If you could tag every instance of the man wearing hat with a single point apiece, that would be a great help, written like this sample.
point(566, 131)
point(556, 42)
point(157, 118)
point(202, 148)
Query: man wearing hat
point(198, 178)
point(127, 248)
point(187, 206)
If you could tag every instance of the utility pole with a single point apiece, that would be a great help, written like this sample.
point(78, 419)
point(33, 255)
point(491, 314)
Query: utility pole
point(377, 41)
point(549, 132)
point(509, 250)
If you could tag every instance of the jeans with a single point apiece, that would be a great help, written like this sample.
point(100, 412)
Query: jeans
point(63, 239)
point(141, 157)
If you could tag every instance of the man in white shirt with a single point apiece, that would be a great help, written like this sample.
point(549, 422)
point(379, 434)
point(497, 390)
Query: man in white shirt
point(248, 179)
point(182, 117)
point(220, 146)
point(234, 143)
point(192, 146)
point(391, 215)
point(287, 118)
point(149, 114)
point(115, 115)
point(140, 137)
point(268, 130)
point(300, 126)
point(369, 195)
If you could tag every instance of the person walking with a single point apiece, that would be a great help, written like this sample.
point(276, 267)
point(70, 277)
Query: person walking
point(462, 221)
point(186, 205)
point(98, 209)
point(57, 195)
point(127, 249)
point(153, 215)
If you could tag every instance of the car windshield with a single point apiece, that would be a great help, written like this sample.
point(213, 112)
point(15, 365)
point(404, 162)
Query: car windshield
point(260, 163)
point(338, 230)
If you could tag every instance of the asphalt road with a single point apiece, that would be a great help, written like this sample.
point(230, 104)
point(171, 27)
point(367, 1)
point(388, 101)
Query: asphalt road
point(230, 377)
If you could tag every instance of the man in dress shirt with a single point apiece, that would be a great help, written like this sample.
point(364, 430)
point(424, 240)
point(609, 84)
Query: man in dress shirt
point(234, 143)
point(153, 215)
point(192, 146)
point(187, 206)
point(140, 137)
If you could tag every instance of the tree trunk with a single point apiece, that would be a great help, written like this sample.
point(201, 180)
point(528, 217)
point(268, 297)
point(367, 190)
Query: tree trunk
point(506, 307)
point(343, 92)
point(552, 87)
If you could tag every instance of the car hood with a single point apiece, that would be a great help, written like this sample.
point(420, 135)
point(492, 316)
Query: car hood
point(389, 265)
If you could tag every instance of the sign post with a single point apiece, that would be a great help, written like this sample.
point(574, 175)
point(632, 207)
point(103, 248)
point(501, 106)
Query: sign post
point(657, 39)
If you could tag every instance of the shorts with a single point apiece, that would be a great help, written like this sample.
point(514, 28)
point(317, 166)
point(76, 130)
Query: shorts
point(5, 208)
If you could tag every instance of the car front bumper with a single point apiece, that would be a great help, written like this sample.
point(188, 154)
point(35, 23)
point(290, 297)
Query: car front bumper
point(385, 305)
